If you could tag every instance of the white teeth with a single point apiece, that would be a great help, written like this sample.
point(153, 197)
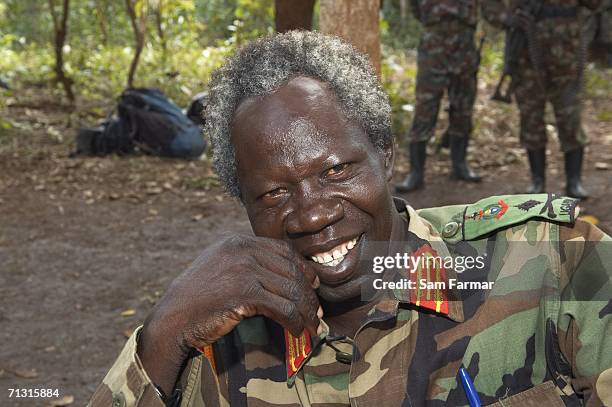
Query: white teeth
point(336, 255)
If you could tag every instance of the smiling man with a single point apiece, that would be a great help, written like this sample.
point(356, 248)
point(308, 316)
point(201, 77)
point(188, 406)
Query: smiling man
point(301, 135)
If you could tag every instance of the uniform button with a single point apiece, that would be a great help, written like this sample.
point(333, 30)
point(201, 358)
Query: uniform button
point(450, 229)
point(118, 400)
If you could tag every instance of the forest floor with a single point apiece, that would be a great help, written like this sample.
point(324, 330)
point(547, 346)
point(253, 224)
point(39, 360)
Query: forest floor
point(87, 245)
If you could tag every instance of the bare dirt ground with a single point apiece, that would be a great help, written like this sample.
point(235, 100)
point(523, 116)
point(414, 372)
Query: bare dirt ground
point(87, 245)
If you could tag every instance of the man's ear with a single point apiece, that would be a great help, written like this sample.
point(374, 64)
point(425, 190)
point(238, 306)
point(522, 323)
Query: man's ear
point(389, 156)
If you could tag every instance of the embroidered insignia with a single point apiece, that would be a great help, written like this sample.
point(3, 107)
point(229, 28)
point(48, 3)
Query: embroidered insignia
point(568, 208)
point(527, 205)
point(208, 353)
point(493, 211)
point(549, 205)
point(297, 350)
point(431, 270)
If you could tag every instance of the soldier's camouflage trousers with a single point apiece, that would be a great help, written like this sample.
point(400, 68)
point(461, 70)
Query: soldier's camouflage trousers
point(560, 78)
point(447, 61)
point(598, 26)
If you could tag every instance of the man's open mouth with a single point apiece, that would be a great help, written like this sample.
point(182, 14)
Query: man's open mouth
point(336, 255)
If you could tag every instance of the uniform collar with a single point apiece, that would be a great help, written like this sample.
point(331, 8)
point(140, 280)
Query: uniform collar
point(442, 301)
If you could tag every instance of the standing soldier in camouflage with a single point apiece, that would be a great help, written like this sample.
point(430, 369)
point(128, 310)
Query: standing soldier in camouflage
point(447, 61)
point(598, 31)
point(549, 69)
point(301, 133)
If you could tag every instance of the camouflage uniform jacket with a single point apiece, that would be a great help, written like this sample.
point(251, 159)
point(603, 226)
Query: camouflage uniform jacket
point(529, 341)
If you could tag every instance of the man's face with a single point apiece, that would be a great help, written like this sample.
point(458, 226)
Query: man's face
point(311, 177)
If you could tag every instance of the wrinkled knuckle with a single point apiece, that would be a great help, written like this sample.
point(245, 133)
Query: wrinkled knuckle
point(252, 290)
point(237, 242)
point(295, 291)
point(290, 311)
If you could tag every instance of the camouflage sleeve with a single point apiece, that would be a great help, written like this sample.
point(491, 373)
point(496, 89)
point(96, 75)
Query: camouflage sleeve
point(585, 319)
point(126, 384)
point(495, 12)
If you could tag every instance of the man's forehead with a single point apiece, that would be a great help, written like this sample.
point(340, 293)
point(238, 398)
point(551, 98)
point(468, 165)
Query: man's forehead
point(304, 106)
point(297, 93)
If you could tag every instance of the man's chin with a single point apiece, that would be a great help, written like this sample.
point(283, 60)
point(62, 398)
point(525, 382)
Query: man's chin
point(351, 290)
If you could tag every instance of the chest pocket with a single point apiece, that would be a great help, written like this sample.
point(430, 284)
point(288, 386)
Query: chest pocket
point(544, 394)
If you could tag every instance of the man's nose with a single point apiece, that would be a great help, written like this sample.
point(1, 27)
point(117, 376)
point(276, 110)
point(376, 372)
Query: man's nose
point(313, 215)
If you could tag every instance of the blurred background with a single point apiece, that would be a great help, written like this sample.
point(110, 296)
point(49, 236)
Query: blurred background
point(89, 243)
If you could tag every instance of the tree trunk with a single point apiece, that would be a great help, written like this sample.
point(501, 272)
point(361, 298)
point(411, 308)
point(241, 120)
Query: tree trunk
point(404, 12)
point(293, 15)
point(101, 9)
point(159, 17)
point(60, 30)
point(356, 21)
point(137, 11)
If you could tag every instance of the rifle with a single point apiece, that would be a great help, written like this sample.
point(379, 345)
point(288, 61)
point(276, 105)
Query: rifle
point(517, 39)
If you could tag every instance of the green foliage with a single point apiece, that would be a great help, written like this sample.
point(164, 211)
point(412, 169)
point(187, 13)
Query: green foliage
point(253, 18)
point(195, 38)
point(399, 80)
point(597, 82)
point(397, 32)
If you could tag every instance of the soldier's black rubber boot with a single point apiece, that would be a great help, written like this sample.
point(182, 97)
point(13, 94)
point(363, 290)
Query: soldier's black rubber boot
point(461, 170)
point(573, 172)
point(537, 164)
point(415, 179)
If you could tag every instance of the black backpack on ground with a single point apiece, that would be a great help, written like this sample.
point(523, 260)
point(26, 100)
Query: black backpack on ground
point(145, 120)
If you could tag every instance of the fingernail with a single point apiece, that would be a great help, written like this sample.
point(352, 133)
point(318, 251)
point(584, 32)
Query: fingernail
point(320, 312)
point(320, 329)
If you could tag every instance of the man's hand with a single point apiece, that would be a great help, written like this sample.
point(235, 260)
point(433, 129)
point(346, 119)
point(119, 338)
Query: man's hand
point(237, 278)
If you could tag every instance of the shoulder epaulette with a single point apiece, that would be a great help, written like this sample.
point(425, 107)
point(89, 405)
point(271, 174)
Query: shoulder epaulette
point(470, 222)
point(490, 214)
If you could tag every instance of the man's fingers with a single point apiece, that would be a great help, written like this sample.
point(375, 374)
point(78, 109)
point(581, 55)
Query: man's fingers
point(291, 266)
point(296, 291)
point(281, 310)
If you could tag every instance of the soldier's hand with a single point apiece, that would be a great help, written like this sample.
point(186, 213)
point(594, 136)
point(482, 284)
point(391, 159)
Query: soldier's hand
point(239, 277)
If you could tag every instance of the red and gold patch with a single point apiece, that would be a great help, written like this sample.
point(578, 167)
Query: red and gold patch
point(431, 269)
point(297, 349)
point(208, 353)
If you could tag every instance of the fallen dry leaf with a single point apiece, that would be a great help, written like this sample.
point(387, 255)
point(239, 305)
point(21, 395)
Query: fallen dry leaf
point(602, 166)
point(128, 312)
point(26, 373)
point(154, 191)
point(197, 217)
point(64, 401)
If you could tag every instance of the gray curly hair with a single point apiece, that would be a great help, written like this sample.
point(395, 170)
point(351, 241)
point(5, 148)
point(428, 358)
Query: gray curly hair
point(266, 64)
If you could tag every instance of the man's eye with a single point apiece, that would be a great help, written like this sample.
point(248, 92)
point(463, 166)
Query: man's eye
point(336, 170)
point(275, 193)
